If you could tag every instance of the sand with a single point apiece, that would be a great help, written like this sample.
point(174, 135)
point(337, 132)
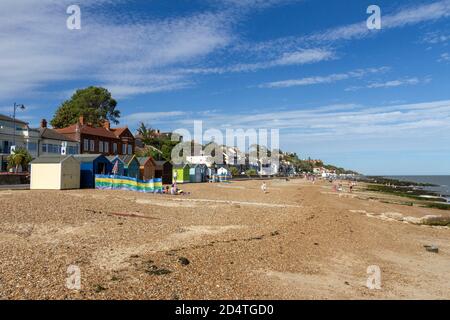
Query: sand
point(231, 241)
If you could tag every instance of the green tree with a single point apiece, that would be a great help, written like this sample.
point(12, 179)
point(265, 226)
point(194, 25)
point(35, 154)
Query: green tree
point(19, 157)
point(146, 132)
point(95, 104)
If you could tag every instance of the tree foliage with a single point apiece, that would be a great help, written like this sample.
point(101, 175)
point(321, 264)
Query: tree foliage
point(93, 103)
point(19, 157)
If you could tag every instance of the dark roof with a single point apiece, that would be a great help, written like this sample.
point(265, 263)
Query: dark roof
point(112, 158)
point(47, 133)
point(50, 159)
point(6, 118)
point(127, 158)
point(87, 157)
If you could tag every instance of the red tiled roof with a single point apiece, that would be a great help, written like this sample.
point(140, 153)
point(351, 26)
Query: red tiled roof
point(119, 131)
point(100, 131)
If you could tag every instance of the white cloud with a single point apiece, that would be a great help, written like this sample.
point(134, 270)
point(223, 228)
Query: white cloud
point(129, 56)
point(405, 16)
point(338, 122)
point(150, 117)
point(391, 83)
point(437, 37)
point(444, 57)
point(323, 79)
point(300, 57)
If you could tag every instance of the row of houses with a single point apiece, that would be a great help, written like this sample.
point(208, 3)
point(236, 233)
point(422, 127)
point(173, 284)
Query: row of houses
point(233, 157)
point(80, 138)
point(85, 139)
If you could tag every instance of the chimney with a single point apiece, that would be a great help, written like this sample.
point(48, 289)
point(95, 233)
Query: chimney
point(107, 125)
point(81, 120)
point(43, 123)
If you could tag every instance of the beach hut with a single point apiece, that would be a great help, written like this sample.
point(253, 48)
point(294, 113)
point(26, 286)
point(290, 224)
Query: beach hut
point(164, 170)
point(196, 174)
point(147, 167)
point(55, 173)
point(181, 173)
point(132, 166)
point(223, 171)
point(90, 165)
point(120, 165)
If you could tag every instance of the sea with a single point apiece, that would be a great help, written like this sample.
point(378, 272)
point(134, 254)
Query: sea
point(442, 183)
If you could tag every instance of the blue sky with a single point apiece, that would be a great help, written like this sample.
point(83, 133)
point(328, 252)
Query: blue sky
point(376, 101)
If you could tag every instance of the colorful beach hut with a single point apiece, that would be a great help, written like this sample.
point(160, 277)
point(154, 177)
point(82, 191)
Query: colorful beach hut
point(55, 173)
point(132, 166)
point(147, 167)
point(164, 170)
point(181, 173)
point(90, 165)
point(120, 165)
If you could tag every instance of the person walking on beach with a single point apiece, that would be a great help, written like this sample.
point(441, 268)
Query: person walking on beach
point(175, 176)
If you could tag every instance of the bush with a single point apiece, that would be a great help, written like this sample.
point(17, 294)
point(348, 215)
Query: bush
point(251, 172)
point(234, 171)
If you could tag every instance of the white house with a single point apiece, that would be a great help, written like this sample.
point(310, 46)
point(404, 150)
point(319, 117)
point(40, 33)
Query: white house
point(20, 132)
point(52, 142)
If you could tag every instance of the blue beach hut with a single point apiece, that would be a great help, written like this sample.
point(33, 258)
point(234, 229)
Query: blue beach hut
point(132, 166)
point(90, 165)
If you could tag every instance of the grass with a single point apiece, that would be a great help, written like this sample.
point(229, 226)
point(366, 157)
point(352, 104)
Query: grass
point(411, 194)
point(404, 192)
point(441, 206)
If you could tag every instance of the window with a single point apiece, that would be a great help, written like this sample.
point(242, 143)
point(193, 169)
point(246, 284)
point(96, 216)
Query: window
point(130, 149)
point(106, 147)
point(51, 148)
point(71, 150)
point(32, 146)
point(55, 148)
point(92, 145)
point(5, 147)
point(115, 148)
point(100, 146)
point(86, 145)
point(124, 149)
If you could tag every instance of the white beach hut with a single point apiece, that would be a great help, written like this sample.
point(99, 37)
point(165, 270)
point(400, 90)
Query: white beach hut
point(55, 173)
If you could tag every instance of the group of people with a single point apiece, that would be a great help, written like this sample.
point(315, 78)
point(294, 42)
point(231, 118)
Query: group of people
point(340, 187)
point(173, 190)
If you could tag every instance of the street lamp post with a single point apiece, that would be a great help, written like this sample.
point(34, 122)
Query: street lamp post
point(16, 106)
